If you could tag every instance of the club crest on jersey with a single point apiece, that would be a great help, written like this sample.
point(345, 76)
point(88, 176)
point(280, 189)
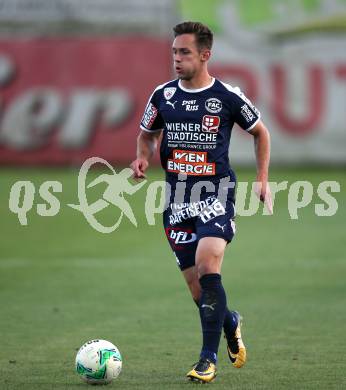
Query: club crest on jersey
point(210, 123)
point(169, 92)
point(213, 105)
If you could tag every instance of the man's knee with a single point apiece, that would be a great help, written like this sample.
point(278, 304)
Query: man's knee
point(208, 267)
point(209, 255)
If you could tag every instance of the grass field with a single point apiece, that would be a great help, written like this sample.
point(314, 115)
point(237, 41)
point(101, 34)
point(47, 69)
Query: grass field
point(62, 283)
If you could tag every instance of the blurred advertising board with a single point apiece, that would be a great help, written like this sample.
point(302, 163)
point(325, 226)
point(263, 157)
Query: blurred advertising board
point(64, 100)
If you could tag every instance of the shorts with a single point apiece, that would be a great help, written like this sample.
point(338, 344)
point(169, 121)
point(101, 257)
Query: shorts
point(185, 223)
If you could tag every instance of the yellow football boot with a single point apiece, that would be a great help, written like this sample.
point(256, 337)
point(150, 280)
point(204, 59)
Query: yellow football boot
point(203, 372)
point(235, 347)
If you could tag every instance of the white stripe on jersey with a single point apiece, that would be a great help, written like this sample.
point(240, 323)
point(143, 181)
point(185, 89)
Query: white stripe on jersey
point(147, 130)
point(238, 92)
point(156, 89)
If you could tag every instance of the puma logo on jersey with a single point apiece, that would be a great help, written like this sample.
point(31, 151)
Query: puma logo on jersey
point(171, 104)
point(221, 227)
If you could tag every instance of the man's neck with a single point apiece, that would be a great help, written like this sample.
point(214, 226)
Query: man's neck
point(197, 82)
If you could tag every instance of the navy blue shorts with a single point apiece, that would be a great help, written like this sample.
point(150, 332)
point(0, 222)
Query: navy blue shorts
point(211, 214)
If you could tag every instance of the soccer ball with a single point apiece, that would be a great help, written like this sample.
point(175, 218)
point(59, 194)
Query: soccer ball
point(98, 362)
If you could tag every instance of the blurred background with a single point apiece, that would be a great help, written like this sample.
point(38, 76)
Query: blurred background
point(75, 76)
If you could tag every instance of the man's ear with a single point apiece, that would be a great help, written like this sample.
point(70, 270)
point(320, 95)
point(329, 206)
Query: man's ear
point(205, 55)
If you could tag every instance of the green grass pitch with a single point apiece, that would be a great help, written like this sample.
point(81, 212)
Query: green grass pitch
point(62, 283)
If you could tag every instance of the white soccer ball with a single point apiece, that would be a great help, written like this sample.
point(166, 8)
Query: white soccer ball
point(98, 362)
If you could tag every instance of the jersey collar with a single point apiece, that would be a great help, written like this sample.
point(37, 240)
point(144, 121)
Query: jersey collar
point(198, 89)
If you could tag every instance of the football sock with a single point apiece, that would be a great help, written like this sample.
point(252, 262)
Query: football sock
point(230, 322)
point(212, 312)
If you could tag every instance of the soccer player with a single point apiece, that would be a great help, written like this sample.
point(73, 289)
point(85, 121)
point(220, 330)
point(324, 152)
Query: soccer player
point(195, 114)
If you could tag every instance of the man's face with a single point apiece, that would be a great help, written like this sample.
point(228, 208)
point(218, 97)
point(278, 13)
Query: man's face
point(188, 60)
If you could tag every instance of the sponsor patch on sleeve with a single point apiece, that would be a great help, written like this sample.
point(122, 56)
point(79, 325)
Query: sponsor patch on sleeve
point(247, 113)
point(149, 116)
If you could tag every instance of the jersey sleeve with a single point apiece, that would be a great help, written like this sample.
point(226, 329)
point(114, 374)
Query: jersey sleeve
point(152, 120)
point(245, 113)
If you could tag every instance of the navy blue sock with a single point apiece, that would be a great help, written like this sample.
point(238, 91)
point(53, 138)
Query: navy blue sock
point(230, 322)
point(212, 312)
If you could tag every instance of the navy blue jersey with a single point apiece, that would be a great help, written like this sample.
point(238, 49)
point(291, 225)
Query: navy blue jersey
point(197, 126)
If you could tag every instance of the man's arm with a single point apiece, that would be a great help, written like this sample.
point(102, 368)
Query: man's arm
point(262, 151)
point(146, 146)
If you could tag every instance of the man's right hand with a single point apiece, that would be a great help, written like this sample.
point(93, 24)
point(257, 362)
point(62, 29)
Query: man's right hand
point(139, 166)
